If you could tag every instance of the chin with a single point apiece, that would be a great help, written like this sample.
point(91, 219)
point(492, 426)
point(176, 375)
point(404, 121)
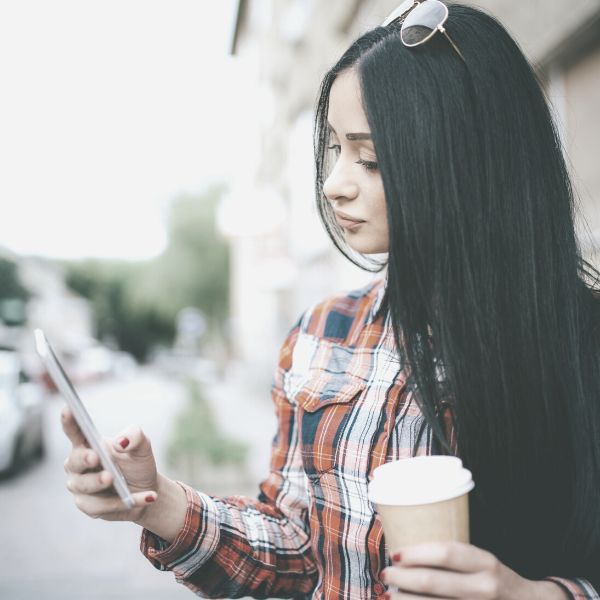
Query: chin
point(368, 247)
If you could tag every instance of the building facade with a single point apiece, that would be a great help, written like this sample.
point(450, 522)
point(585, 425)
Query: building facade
point(285, 262)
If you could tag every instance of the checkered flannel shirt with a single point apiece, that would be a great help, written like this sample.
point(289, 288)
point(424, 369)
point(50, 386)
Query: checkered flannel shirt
point(343, 408)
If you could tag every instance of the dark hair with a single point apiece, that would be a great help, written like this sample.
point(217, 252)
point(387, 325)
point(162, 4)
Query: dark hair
point(486, 281)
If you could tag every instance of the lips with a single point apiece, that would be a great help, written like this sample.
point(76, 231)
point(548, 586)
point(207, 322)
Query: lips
point(345, 220)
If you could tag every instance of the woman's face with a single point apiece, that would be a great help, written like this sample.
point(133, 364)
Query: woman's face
point(354, 187)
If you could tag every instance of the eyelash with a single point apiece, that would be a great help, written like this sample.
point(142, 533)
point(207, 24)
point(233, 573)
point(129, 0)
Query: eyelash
point(367, 164)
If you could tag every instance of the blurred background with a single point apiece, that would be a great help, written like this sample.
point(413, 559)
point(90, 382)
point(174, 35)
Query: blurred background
point(158, 222)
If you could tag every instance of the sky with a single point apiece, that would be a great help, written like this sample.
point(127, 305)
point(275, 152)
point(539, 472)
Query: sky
point(109, 109)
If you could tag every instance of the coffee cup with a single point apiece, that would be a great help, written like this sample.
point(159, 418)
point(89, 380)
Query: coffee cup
point(422, 499)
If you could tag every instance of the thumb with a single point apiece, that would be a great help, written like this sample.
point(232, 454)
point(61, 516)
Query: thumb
point(133, 441)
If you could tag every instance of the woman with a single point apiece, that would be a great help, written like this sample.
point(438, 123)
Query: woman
point(482, 342)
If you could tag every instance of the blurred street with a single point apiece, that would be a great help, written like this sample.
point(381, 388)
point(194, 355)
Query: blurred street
point(49, 550)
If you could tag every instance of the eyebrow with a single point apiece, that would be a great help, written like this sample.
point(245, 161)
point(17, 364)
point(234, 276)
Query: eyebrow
point(358, 136)
point(353, 136)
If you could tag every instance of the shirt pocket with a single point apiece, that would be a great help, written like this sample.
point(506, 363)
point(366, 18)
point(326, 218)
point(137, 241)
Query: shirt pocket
point(326, 403)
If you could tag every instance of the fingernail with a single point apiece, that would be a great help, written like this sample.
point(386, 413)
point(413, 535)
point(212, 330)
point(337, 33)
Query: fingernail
point(397, 557)
point(124, 442)
point(149, 498)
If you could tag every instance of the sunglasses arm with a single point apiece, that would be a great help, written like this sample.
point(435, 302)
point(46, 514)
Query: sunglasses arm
point(442, 30)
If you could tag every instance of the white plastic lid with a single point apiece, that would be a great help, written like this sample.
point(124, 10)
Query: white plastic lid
point(420, 480)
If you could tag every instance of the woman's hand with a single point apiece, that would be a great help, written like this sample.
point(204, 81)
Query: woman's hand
point(92, 487)
point(457, 570)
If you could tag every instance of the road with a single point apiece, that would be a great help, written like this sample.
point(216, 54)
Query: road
point(48, 549)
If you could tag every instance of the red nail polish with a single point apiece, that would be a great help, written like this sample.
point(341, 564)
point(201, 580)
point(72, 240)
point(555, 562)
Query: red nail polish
point(149, 498)
point(124, 443)
point(397, 557)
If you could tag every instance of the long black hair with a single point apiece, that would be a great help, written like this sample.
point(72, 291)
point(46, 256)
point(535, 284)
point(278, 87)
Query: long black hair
point(486, 283)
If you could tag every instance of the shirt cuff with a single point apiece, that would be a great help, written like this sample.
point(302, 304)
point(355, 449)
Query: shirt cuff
point(578, 589)
point(195, 543)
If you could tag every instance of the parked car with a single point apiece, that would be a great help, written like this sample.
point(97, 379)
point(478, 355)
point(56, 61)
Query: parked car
point(21, 415)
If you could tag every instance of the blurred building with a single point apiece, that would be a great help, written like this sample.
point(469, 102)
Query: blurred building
point(282, 260)
point(66, 318)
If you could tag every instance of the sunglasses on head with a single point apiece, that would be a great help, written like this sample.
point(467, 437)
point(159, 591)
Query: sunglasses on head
point(421, 20)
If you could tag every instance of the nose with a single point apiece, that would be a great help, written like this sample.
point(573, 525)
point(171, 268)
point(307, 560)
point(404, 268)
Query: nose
point(339, 185)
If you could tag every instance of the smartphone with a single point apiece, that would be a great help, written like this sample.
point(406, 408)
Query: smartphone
point(65, 387)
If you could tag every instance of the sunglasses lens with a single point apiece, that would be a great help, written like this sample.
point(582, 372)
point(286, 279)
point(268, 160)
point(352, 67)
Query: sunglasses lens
point(421, 23)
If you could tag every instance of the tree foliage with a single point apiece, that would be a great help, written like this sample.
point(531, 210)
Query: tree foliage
point(194, 269)
point(136, 304)
point(105, 284)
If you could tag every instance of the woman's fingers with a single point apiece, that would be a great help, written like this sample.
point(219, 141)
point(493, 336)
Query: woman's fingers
point(454, 556)
point(90, 483)
point(439, 583)
point(103, 506)
point(442, 569)
point(134, 442)
point(71, 428)
point(81, 459)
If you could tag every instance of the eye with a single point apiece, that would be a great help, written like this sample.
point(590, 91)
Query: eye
point(368, 164)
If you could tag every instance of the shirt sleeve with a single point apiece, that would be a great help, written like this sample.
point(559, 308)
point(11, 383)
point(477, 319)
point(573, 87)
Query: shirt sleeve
point(236, 546)
point(579, 589)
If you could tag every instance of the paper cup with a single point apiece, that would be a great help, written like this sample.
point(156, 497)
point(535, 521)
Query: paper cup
point(422, 499)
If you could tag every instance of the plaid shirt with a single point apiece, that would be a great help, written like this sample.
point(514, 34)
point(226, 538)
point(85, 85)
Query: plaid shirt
point(343, 408)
